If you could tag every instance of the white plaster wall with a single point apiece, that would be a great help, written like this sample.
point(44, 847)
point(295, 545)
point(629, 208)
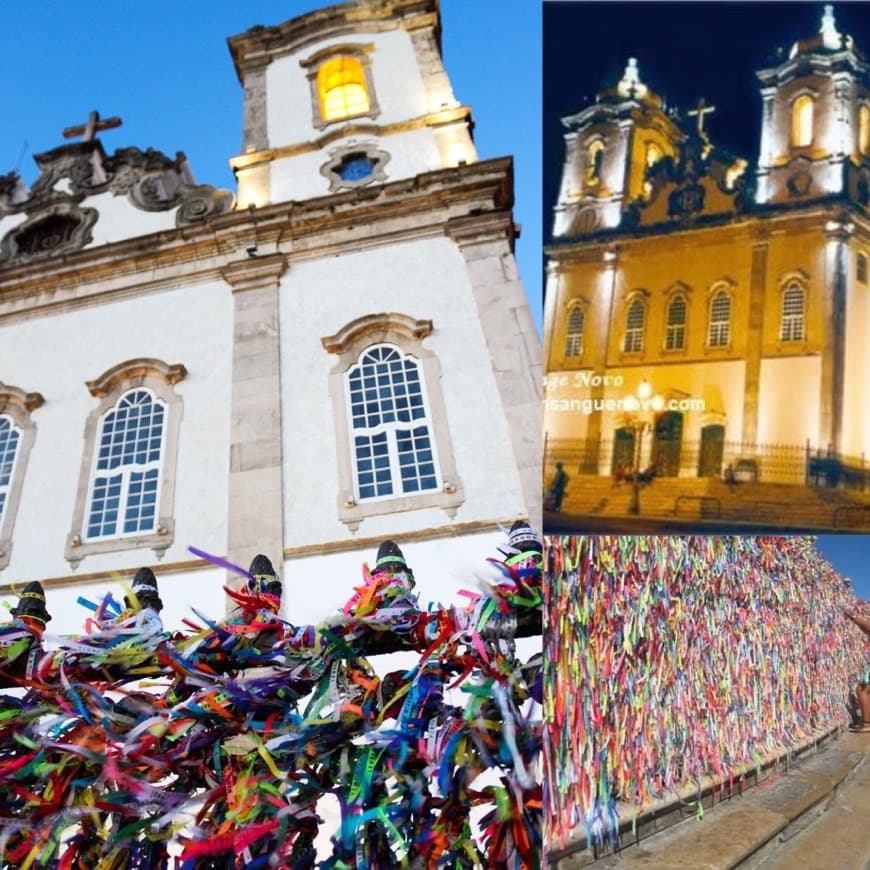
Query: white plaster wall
point(856, 397)
point(789, 400)
point(425, 279)
point(398, 85)
point(119, 219)
point(299, 177)
point(56, 354)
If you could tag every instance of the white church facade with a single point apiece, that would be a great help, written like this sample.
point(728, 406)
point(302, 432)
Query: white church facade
point(337, 353)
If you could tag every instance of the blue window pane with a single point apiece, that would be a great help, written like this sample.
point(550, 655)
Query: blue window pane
point(356, 167)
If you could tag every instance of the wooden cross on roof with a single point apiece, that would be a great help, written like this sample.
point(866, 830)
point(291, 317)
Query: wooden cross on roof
point(703, 109)
point(91, 128)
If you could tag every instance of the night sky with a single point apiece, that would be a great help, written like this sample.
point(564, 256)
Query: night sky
point(684, 50)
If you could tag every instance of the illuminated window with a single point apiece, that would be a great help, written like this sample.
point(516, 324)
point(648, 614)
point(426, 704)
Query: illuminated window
point(574, 338)
point(864, 129)
point(126, 492)
point(675, 332)
point(594, 160)
point(861, 268)
point(653, 154)
point(719, 333)
point(634, 326)
point(9, 437)
point(792, 320)
point(802, 121)
point(341, 83)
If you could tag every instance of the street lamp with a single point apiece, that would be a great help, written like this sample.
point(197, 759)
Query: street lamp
point(638, 407)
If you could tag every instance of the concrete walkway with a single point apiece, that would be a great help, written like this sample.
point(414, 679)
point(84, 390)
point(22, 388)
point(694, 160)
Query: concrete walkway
point(815, 816)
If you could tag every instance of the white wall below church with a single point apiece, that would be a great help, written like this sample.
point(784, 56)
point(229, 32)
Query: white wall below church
point(789, 400)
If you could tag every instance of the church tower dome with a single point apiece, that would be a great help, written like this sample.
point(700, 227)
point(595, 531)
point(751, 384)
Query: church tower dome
point(816, 117)
point(609, 146)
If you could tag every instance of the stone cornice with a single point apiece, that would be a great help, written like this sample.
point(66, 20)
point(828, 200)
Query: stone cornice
point(15, 396)
point(358, 128)
point(133, 369)
point(418, 207)
point(373, 324)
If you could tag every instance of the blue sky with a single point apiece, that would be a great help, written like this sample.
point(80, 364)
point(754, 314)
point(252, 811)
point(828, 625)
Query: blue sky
point(164, 67)
point(850, 556)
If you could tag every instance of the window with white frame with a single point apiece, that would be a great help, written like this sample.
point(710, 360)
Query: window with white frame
point(792, 319)
point(675, 331)
point(10, 435)
point(574, 336)
point(126, 476)
point(393, 442)
point(719, 332)
point(392, 446)
point(634, 326)
point(17, 434)
point(126, 488)
point(341, 83)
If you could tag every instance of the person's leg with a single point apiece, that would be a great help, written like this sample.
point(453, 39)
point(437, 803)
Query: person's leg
point(863, 693)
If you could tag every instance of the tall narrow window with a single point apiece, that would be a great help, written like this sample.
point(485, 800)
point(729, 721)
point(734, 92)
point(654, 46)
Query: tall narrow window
point(127, 486)
point(675, 332)
point(394, 448)
point(802, 121)
point(861, 268)
point(17, 433)
point(792, 321)
point(719, 333)
point(574, 337)
point(125, 482)
point(634, 325)
point(594, 160)
point(864, 129)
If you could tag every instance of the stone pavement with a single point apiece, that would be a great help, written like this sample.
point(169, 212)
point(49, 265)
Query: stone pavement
point(814, 817)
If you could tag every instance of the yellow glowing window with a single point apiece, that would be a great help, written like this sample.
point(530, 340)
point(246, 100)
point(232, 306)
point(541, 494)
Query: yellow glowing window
point(594, 159)
point(864, 129)
point(341, 83)
point(802, 121)
point(653, 154)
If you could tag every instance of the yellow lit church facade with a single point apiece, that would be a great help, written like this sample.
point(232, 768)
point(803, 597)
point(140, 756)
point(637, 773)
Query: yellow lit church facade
point(737, 295)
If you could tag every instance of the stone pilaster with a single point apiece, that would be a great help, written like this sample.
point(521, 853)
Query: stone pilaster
point(256, 510)
point(754, 337)
point(486, 242)
point(833, 324)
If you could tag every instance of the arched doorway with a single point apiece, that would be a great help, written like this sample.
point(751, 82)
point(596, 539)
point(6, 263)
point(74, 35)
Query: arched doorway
point(623, 449)
point(712, 451)
point(667, 443)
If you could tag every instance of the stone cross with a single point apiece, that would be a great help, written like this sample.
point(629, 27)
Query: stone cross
point(93, 126)
point(703, 109)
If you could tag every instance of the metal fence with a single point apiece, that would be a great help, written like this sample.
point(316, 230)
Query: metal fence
point(748, 461)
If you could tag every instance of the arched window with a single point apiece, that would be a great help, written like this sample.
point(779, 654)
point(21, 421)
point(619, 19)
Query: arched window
point(635, 320)
point(127, 486)
point(675, 331)
point(574, 336)
point(17, 433)
point(719, 331)
point(126, 476)
point(393, 449)
point(341, 84)
point(653, 154)
point(864, 128)
point(391, 428)
point(594, 160)
point(792, 319)
point(861, 267)
point(802, 121)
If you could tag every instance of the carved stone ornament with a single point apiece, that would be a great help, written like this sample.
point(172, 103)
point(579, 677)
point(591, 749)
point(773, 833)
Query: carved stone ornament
point(58, 229)
point(355, 165)
point(686, 201)
point(799, 184)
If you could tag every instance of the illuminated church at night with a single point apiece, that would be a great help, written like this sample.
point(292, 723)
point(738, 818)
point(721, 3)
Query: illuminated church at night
point(733, 293)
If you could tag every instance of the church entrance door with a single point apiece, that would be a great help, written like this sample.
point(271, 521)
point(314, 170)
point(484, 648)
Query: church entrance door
point(667, 443)
point(712, 451)
point(623, 450)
